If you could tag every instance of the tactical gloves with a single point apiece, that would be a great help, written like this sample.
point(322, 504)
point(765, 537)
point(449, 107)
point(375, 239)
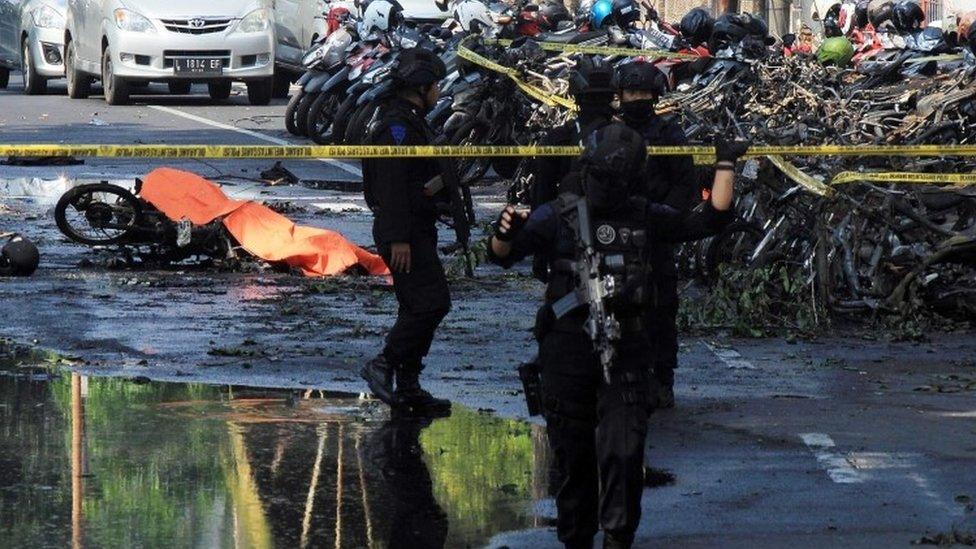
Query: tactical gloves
point(730, 150)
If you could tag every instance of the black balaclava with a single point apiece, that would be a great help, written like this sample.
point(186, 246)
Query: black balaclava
point(638, 113)
point(594, 105)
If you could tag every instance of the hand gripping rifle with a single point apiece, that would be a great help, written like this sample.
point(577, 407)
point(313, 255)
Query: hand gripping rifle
point(592, 290)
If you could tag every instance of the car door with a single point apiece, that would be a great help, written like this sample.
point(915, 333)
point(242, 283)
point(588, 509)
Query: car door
point(9, 22)
point(288, 31)
point(312, 19)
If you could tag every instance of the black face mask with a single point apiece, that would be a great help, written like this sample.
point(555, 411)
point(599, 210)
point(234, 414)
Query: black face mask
point(637, 113)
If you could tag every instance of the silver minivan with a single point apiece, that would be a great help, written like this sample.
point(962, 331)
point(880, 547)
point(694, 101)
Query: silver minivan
point(128, 42)
point(31, 35)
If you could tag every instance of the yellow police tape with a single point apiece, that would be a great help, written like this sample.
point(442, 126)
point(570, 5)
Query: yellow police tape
point(957, 179)
point(550, 99)
point(603, 50)
point(449, 151)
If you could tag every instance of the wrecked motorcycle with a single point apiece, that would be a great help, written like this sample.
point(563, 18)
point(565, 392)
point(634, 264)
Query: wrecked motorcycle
point(103, 214)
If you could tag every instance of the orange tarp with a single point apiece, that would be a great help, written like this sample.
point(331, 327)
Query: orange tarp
point(259, 230)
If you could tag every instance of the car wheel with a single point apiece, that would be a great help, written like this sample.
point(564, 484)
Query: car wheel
point(219, 91)
point(282, 85)
point(79, 83)
point(4, 78)
point(34, 84)
point(116, 89)
point(259, 91)
point(179, 88)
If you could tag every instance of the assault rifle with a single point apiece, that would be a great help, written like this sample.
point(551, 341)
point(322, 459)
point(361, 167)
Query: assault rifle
point(592, 290)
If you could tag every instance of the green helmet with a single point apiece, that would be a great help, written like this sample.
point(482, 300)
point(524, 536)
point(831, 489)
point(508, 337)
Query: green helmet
point(835, 51)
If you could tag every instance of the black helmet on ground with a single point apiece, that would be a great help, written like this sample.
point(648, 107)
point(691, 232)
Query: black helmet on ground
point(907, 16)
point(18, 257)
point(419, 67)
point(640, 76)
point(696, 26)
point(625, 13)
point(591, 75)
point(612, 163)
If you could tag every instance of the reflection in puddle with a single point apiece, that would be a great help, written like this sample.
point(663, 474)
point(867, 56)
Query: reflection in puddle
point(104, 462)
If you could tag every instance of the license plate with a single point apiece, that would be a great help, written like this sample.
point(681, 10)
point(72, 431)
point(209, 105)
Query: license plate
point(201, 66)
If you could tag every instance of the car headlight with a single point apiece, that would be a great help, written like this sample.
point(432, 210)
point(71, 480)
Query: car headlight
point(256, 21)
point(46, 17)
point(132, 21)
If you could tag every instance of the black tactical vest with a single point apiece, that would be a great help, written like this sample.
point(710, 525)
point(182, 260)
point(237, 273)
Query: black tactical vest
point(623, 243)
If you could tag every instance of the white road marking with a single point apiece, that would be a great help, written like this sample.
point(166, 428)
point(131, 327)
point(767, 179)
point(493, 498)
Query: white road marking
point(838, 468)
point(344, 166)
point(731, 358)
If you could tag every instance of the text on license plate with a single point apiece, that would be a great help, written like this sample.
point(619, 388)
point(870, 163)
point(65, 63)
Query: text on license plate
point(199, 66)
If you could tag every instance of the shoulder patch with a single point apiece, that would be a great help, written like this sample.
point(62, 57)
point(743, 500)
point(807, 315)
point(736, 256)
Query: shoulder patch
point(399, 133)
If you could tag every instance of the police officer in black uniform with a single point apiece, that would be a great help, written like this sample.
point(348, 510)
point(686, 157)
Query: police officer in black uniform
point(597, 428)
point(404, 216)
point(590, 84)
point(671, 180)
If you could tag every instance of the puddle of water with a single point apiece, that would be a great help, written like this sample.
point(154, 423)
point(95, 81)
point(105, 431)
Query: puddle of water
point(105, 462)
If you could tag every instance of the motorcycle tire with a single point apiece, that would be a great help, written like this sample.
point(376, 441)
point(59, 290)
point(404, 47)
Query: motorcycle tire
point(347, 109)
point(472, 132)
point(733, 245)
point(301, 113)
point(126, 202)
point(321, 118)
point(358, 125)
point(291, 113)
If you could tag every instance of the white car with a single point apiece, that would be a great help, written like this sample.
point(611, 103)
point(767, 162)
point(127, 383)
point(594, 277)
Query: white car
point(31, 34)
point(129, 42)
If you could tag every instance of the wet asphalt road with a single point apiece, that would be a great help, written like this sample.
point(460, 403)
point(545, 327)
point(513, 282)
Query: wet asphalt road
point(849, 440)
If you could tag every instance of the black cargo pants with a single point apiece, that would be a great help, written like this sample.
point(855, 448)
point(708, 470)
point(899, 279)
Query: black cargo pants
point(597, 434)
point(424, 300)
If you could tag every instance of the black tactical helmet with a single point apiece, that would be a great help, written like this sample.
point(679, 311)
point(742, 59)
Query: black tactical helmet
point(696, 26)
point(18, 257)
point(419, 67)
point(907, 16)
point(625, 13)
point(591, 75)
point(880, 12)
point(612, 161)
point(640, 76)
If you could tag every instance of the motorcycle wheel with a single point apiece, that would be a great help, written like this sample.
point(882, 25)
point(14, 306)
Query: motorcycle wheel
point(291, 113)
point(321, 116)
point(347, 109)
point(100, 214)
point(355, 131)
point(473, 132)
point(301, 113)
point(734, 245)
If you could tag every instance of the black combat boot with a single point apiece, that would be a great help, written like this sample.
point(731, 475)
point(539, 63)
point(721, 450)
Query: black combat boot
point(378, 374)
point(665, 397)
point(411, 398)
point(615, 542)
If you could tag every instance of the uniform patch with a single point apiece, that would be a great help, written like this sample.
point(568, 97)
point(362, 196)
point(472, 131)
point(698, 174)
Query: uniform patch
point(606, 234)
point(399, 133)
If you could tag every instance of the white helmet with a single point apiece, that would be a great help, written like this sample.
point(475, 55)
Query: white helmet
point(472, 15)
point(379, 17)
